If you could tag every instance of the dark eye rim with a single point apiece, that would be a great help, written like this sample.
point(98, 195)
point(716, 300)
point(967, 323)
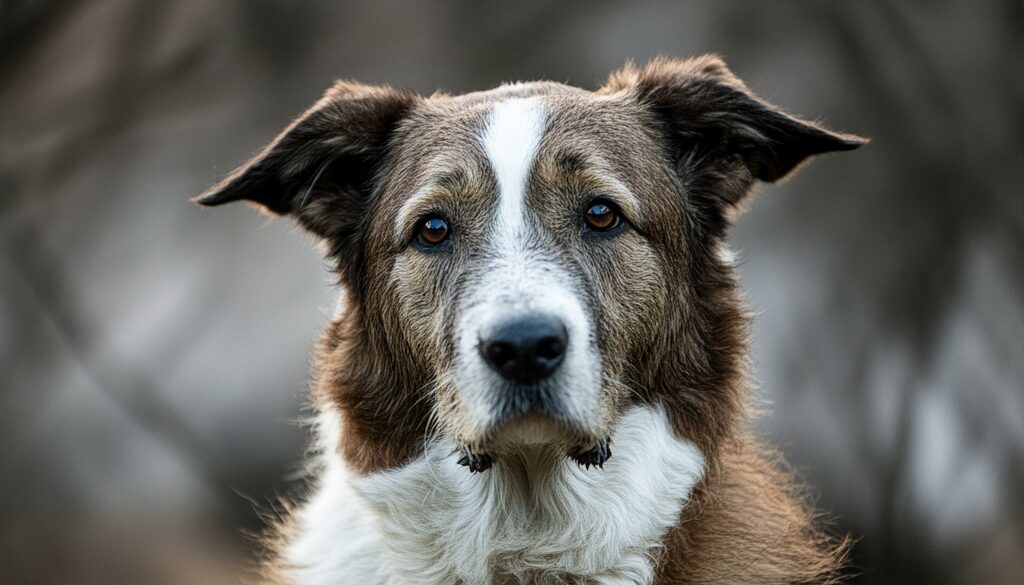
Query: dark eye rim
point(620, 220)
point(424, 246)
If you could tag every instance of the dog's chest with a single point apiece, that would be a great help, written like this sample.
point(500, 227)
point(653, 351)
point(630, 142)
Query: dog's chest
point(535, 518)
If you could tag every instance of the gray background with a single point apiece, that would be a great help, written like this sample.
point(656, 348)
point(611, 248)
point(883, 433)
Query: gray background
point(153, 356)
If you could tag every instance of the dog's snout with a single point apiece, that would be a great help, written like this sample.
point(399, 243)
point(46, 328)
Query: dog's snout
point(525, 349)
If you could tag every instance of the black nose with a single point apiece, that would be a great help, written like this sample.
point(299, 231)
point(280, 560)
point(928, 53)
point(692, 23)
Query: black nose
point(525, 349)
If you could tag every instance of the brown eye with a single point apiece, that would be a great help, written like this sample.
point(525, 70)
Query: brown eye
point(601, 216)
point(433, 232)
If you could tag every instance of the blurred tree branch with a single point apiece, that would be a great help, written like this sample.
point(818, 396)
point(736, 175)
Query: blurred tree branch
point(129, 388)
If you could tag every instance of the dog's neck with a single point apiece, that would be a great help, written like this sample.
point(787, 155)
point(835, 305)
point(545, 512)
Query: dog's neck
point(534, 513)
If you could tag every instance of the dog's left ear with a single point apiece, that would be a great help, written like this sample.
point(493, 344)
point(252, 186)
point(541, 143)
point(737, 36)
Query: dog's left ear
point(321, 168)
point(709, 117)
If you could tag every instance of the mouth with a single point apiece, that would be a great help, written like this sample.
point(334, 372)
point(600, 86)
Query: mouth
point(595, 456)
point(535, 429)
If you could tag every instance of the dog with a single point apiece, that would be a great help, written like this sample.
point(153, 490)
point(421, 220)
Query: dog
point(539, 371)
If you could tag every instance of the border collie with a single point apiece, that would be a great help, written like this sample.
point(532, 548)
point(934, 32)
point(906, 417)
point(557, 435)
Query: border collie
point(539, 371)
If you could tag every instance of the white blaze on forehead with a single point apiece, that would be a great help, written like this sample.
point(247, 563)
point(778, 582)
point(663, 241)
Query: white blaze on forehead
point(520, 280)
point(511, 137)
point(512, 132)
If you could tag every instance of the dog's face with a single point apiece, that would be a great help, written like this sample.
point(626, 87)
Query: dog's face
point(513, 235)
point(523, 263)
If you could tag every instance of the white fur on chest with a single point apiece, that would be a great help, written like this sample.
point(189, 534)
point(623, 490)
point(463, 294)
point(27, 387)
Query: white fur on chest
point(532, 518)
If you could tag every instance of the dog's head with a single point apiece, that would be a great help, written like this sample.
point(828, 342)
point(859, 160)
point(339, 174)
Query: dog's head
point(522, 263)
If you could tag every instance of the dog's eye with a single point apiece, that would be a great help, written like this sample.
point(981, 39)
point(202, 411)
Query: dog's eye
point(432, 233)
point(601, 216)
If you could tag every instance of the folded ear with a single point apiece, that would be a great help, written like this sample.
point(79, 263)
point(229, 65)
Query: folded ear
point(321, 168)
point(710, 117)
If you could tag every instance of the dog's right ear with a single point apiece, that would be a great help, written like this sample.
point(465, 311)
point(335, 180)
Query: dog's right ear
point(715, 126)
point(321, 168)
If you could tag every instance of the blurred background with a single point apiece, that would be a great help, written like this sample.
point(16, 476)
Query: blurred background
point(153, 355)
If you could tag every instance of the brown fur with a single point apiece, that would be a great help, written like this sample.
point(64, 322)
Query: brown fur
point(747, 523)
point(689, 140)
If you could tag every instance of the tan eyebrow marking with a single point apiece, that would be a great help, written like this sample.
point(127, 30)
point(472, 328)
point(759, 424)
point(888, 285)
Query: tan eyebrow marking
point(439, 188)
point(454, 180)
point(593, 172)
